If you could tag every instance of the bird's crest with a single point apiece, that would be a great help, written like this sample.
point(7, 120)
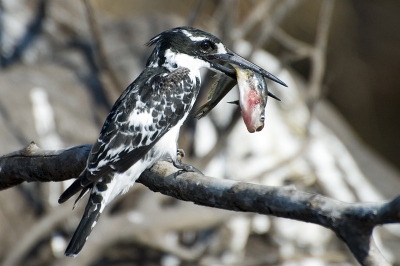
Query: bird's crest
point(153, 40)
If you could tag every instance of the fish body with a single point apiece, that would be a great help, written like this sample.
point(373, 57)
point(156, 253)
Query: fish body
point(253, 96)
point(225, 83)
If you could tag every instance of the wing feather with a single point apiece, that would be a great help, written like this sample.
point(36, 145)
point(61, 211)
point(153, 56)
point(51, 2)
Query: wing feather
point(138, 119)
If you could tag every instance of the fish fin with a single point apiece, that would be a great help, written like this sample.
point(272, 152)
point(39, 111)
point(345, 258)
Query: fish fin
point(234, 102)
point(270, 94)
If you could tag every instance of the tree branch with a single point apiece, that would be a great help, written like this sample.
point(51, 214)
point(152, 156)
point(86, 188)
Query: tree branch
point(352, 222)
point(32, 164)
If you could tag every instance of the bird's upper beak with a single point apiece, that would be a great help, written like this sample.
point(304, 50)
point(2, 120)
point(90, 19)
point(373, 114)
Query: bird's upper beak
point(235, 59)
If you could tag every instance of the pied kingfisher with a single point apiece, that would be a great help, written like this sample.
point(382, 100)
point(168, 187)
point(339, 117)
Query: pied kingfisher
point(143, 125)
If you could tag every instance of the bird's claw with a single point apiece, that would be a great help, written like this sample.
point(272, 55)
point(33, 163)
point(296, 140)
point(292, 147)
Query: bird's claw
point(186, 168)
point(183, 167)
point(189, 168)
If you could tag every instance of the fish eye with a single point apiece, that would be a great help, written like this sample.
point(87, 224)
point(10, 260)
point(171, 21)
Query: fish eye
point(206, 45)
point(262, 118)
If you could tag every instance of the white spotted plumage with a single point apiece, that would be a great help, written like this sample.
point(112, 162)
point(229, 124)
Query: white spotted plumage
point(126, 146)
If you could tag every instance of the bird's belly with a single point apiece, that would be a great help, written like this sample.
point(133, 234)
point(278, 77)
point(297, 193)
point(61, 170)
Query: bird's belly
point(123, 181)
point(165, 147)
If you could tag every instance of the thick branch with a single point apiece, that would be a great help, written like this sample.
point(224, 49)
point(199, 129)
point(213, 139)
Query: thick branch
point(353, 223)
point(33, 164)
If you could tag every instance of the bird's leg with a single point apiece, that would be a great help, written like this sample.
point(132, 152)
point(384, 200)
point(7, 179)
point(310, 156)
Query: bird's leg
point(183, 167)
point(180, 154)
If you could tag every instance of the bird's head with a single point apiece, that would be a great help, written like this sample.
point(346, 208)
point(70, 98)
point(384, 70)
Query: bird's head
point(194, 49)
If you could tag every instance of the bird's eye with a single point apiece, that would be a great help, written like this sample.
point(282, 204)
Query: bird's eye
point(206, 45)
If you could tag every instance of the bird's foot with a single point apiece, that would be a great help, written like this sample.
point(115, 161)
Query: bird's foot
point(183, 167)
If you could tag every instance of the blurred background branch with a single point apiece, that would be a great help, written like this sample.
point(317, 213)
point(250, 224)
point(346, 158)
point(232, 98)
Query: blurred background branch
point(99, 45)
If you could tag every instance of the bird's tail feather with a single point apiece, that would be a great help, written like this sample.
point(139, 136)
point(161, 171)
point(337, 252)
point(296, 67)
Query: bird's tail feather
point(74, 188)
point(88, 221)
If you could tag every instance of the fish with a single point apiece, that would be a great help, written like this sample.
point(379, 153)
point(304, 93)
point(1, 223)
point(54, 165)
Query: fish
point(253, 94)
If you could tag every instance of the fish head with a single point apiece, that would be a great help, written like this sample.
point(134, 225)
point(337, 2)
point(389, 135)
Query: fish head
point(253, 96)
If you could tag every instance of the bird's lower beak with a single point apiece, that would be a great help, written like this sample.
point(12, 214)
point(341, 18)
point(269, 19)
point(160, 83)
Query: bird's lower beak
point(235, 59)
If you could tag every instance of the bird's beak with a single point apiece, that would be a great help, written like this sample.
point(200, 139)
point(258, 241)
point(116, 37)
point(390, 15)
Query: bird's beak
point(235, 59)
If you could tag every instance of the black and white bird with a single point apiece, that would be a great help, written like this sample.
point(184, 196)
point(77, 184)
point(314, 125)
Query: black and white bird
point(143, 125)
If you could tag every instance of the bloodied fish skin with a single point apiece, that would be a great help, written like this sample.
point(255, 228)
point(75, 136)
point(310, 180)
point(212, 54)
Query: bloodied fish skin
point(253, 96)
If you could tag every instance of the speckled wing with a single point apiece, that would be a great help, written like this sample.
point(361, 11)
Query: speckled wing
point(148, 108)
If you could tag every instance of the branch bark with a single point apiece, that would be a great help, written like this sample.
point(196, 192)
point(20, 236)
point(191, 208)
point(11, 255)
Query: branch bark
point(32, 164)
point(352, 222)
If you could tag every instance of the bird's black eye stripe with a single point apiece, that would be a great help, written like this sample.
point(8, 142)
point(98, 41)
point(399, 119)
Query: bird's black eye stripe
point(207, 45)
